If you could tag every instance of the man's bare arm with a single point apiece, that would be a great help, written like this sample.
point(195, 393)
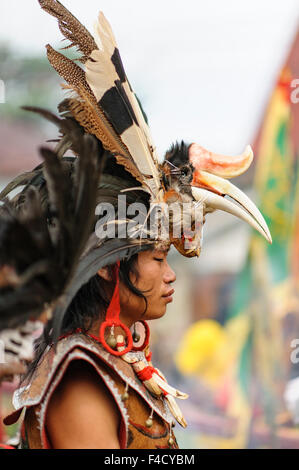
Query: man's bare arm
point(82, 414)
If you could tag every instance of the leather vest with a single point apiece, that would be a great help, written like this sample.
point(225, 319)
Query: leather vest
point(34, 397)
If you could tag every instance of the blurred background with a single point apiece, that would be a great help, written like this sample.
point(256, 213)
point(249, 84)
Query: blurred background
point(224, 75)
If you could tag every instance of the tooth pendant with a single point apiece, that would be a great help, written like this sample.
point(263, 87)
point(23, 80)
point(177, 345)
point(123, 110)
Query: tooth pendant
point(155, 382)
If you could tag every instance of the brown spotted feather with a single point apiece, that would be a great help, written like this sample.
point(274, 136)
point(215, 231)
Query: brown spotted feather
point(67, 69)
point(71, 28)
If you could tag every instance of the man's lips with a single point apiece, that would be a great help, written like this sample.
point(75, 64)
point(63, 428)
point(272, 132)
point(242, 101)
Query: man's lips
point(168, 295)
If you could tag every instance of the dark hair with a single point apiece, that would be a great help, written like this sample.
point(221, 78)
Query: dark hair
point(89, 304)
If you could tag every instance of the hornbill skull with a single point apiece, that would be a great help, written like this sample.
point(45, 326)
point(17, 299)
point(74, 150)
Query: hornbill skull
point(209, 186)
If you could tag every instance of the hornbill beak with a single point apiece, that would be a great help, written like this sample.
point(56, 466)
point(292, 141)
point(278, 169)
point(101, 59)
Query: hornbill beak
point(210, 186)
point(220, 165)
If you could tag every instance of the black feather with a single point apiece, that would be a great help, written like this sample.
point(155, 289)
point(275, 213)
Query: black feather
point(42, 238)
point(178, 154)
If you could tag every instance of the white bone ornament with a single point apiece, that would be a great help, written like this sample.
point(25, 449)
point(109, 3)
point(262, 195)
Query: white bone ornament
point(157, 384)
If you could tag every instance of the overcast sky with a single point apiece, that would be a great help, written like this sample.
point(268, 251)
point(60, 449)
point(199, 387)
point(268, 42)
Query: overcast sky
point(203, 70)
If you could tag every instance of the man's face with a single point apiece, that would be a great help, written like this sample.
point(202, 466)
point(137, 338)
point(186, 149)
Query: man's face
point(154, 279)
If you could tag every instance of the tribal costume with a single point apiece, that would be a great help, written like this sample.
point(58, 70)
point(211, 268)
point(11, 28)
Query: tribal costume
point(136, 406)
point(103, 125)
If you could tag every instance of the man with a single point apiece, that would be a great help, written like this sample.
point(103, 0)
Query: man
point(83, 411)
point(92, 384)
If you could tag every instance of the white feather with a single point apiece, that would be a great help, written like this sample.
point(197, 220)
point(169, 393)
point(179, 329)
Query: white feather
point(101, 76)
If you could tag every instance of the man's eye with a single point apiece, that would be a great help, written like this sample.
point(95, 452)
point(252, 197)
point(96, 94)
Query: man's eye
point(159, 259)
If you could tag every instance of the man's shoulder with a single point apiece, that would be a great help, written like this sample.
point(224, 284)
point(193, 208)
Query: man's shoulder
point(81, 411)
point(80, 391)
point(54, 363)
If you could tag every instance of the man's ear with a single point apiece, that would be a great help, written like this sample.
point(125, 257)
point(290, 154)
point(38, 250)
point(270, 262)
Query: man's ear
point(105, 274)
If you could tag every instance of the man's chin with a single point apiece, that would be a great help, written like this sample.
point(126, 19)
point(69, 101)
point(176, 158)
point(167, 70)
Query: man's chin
point(157, 314)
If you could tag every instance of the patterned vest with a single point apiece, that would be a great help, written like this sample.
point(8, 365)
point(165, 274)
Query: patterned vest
point(116, 374)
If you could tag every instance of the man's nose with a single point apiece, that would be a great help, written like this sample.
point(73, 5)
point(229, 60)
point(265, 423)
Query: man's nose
point(169, 276)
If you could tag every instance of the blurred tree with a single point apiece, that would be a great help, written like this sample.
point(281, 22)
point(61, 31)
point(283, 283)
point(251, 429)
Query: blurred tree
point(29, 80)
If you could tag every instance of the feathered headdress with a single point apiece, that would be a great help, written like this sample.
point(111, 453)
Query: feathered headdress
point(48, 245)
point(52, 244)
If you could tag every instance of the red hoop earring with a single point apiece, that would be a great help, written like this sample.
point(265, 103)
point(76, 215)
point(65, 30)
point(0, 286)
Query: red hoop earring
point(112, 319)
point(110, 323)
point(146, 339)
